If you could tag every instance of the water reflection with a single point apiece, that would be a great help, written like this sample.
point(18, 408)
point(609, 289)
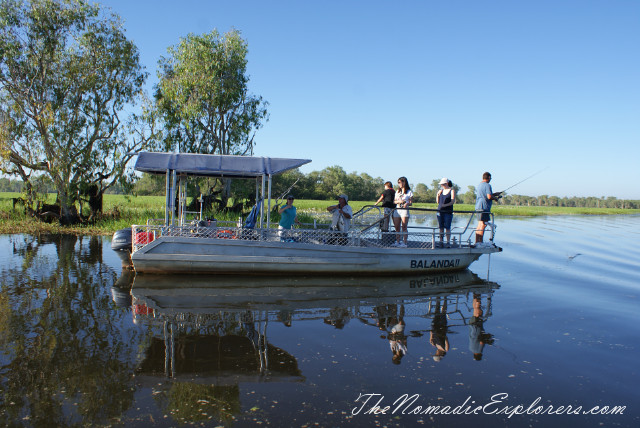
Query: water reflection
point(229, 316)
point(61, 345)
point(85, 343)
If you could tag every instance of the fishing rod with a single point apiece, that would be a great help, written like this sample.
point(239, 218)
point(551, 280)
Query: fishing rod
point(286, 192)
point(522, 181)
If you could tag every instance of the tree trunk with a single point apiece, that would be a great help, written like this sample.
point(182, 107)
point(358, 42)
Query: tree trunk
point(226, 191)
point(95, 202)
point(68, 211)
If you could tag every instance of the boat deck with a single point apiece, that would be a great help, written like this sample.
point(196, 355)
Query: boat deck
point(424, 238)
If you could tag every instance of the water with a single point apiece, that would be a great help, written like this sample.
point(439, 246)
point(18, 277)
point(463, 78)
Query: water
point(550, 321)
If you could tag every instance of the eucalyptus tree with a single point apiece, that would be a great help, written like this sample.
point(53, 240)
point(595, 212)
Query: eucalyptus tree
point(331, 182)
point(203, 96)
point(421, 192)
point(67, 74)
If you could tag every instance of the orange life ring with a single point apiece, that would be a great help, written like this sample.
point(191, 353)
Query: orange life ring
point(225, 234)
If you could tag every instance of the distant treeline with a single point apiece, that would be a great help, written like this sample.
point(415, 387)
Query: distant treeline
point(44, 185)
point(333, 181)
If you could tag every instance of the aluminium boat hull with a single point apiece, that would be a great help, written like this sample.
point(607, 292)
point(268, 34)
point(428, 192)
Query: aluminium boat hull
point(177, 254)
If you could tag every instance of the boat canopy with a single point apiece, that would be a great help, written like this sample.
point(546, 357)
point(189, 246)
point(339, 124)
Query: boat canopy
point(215, 165)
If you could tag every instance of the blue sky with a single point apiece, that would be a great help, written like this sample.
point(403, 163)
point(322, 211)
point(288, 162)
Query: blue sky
point(428, 89)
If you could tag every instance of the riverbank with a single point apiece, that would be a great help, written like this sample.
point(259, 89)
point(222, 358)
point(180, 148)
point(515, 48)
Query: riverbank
point(122, 211)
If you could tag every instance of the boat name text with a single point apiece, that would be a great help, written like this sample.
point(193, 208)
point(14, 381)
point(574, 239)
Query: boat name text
point(424, 264)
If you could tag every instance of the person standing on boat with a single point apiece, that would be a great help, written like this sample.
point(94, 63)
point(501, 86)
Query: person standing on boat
point(288, 214)
point(484, 200)
point(387, 197)
point(341, 219)
point(446, 198)
point(403, 199)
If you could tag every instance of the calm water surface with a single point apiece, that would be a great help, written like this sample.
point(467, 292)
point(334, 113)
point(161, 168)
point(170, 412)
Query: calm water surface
point(550, 322)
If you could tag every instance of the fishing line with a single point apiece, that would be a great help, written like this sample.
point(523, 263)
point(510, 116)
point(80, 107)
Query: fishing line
point(286, 192)
point(522, 181)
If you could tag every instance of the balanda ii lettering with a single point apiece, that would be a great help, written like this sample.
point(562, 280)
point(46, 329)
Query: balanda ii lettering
point(434, 264)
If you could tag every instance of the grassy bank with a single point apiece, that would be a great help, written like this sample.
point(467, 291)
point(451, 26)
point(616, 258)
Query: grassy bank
point(122, 211)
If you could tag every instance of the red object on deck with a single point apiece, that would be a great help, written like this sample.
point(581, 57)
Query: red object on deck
point(143, 238)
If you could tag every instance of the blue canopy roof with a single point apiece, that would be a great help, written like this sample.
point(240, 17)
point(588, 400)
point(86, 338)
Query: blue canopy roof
point(215, 165)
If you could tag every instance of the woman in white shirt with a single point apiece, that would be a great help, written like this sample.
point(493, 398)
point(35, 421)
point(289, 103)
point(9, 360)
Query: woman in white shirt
point(403, 200)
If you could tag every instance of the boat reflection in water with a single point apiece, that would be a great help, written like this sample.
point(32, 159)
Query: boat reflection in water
point(208, 334)
point(214, 328)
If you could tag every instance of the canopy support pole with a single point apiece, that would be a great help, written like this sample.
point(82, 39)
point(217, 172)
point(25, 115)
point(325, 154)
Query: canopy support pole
point(173, 197)
point(167, 202)
point(269, 204)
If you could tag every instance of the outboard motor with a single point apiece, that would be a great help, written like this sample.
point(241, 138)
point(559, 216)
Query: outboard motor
point(121, 240)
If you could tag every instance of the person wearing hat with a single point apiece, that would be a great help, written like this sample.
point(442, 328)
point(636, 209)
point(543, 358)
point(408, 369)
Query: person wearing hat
point(341, 217)
point(288, 214)
point(446, 198)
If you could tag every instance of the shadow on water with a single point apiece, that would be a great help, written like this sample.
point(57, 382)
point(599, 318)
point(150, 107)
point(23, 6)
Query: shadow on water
point(82, 343)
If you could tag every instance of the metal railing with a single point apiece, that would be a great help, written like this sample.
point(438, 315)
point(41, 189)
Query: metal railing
point(365, 232)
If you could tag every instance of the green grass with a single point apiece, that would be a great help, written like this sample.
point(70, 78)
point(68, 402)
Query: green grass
point(122, 211)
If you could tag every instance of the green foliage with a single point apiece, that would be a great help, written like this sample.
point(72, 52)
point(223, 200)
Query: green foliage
point(329, 183)
point(204, 101)
point(7, 185)
point(150, 184)
point(203, 96)
point(421, 193)
point(67, 72)
point(469, 197)
point(122, 211)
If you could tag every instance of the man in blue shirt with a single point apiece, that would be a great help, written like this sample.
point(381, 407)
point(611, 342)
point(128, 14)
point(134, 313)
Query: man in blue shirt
point(484, 199)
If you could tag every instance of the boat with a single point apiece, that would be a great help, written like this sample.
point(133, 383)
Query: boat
point(178, 244)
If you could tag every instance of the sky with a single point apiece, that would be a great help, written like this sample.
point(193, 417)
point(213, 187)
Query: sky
point(434, 88)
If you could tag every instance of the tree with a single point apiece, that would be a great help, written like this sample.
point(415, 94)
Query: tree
point(203, 97)
point(421, 193)
point(330, 182)
point(433, 192)
point(67, 72)
point(470, 195)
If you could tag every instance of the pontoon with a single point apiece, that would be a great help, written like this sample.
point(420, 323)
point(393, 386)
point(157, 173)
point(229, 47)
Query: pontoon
point(257, 246)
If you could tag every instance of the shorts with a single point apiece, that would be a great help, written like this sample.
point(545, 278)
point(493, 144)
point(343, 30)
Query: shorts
point(485, 217)
point(401, 213)
point(444, 220)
